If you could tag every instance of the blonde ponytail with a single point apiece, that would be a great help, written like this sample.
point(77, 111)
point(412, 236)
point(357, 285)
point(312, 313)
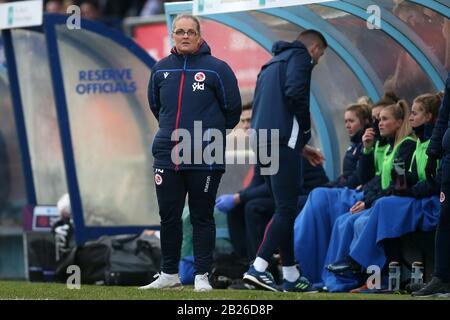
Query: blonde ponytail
point(365, 100)
point(401, 111)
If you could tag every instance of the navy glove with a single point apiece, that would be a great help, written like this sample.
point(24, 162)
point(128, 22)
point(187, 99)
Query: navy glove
point(225, 203)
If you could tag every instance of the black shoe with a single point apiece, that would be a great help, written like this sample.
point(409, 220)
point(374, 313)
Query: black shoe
point(435, 288)
point(342, 266)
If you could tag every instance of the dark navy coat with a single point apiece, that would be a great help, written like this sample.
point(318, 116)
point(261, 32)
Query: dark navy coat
point(188, 88)
point(282, 94)
point(440, 140)
point(350, 177)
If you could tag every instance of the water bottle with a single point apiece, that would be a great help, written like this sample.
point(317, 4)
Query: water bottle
point(394, 276)
point(400, 180)
point(417, 272)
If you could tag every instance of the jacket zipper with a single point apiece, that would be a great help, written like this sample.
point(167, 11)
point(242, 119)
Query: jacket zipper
point(180, 95)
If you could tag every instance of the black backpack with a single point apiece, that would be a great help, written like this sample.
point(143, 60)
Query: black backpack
point(115, 260)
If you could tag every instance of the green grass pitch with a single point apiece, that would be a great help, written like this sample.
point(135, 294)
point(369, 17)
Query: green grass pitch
point(54, 291)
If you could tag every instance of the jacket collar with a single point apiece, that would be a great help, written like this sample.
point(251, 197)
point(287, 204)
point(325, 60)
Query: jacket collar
point(357, 137)
point(203, 48)
point(424, 131)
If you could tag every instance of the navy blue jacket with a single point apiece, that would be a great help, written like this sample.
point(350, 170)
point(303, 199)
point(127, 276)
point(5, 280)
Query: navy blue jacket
point(366, 163)
point(426, 188)
point(282, 92)
point(440, 140)
point(188, 88)
point(350, 177)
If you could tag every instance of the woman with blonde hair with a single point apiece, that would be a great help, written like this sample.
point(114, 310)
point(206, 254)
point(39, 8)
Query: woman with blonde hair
point(313, 225)
point(373, 238)
point(394, 126)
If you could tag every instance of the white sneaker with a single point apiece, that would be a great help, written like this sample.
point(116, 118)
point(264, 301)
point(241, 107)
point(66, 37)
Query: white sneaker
point(163, 281)
point(202, 283)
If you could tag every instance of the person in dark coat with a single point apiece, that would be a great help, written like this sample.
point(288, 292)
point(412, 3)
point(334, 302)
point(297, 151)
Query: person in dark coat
point(281, 109)
point(439, 148)
point(195, 98)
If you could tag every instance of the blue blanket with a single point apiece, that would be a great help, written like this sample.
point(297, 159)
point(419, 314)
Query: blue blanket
point(359, 236)
point(340, 241)
point(313, 226)
point(393, 217)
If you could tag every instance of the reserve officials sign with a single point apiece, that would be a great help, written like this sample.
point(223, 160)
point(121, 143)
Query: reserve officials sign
point(203, 7)
point(21, 14)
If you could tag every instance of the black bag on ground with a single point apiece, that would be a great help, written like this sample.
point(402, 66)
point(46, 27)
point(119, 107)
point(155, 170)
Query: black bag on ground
point(115, 260)
point(227, 267)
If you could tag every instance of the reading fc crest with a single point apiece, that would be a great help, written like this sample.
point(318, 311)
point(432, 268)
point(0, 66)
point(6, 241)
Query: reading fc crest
point(200, 77)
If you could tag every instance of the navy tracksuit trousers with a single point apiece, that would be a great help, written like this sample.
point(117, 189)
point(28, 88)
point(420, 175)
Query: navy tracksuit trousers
point(285, 186)
point(442, 244)
point(171, 189)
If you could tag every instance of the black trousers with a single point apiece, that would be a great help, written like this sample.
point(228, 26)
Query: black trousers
point(246, 224)
point(442, 243)
point(171, 189)
point(285, 186)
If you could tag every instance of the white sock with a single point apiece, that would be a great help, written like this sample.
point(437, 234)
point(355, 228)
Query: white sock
point(291, 273)
point(260, 264)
